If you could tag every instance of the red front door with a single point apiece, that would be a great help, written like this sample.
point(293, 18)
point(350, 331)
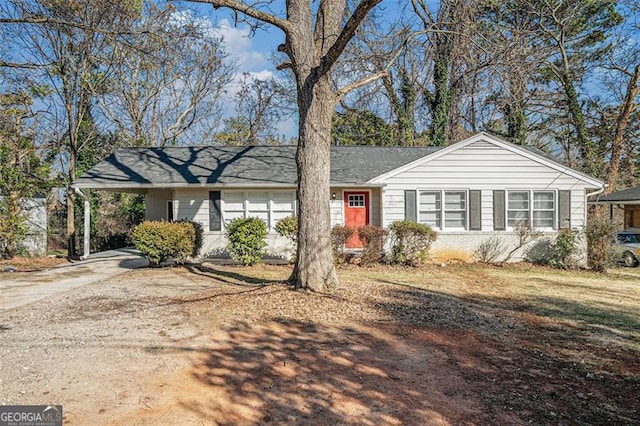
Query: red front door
point(356, 214)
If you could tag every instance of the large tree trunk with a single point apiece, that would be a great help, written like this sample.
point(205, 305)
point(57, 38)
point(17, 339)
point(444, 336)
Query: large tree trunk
point(627, 107)
point(314, 264)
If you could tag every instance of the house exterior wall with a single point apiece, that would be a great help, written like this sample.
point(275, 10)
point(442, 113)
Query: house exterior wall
point(35, 240)
point(631, 216)
point(486, 167)
point(156, 203)
point(193, 204)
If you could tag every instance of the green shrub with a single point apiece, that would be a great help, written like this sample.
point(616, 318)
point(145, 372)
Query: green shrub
point(372, 238)
point(13, 227)
point(246, 239)
point(564, 247)
point(288, 228)
point(160, 241)
point(339, 236)
point(410, 242)
point(199, 236)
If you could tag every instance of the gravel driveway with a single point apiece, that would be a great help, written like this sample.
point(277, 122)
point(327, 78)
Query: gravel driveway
point(23, 289)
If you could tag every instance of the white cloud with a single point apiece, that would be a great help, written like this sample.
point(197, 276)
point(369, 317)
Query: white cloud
point(239, 46)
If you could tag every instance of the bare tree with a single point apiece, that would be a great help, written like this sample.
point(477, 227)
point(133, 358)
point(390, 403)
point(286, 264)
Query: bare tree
point(167, 80)
point(68, 42)
point(259, 105)
point(575, 34)
point(316, 35)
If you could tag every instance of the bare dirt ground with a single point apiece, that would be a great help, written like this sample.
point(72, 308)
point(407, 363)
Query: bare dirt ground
point(467, 344)
point(29, 264)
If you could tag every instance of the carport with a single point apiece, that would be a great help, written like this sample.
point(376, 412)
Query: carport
point(627, 200)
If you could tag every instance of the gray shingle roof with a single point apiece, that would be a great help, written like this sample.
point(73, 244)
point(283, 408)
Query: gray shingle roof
point(629, 194)
point(244, 165)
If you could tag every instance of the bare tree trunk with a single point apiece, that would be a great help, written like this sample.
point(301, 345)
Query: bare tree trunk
point(314, 268)
point(627, 107)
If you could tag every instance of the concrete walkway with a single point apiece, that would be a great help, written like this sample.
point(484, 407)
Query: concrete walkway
point(35, 286)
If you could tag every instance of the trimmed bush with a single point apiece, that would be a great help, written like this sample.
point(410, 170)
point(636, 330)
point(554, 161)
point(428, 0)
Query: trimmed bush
point(288, 228)
point(247, 239)
point(199, 236)
point(339, 236)
point(372, 238)
point(411, 242)
point(161, 241)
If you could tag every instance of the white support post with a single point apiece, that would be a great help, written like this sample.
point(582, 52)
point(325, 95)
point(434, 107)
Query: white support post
point(86, 245)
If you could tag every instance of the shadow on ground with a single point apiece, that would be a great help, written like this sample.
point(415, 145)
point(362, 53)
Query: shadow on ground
point(289, 371)
point(550, 360)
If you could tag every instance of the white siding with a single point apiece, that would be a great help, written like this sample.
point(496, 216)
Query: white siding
point(156, 203)
point(193, 204)
point(486, 167)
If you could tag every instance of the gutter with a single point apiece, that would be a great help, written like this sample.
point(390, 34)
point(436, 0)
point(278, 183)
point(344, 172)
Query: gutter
point(87, 224)
point(596, 192)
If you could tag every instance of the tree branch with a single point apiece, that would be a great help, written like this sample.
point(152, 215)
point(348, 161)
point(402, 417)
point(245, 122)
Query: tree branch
point(349, 87)
point(251, 11)
point(30, 66)
point(345, 36)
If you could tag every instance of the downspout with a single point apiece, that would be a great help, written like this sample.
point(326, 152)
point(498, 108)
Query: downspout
point(87, 225)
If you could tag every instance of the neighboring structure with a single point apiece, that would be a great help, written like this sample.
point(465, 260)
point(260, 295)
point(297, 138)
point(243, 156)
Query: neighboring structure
point(35, 242)
point(468, 192)
point(628, 200)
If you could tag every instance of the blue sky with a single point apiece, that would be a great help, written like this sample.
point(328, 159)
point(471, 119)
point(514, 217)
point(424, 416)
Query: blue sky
point(253, 53)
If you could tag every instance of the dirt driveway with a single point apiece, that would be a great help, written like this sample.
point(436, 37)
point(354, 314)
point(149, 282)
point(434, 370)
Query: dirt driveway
point(232, 346)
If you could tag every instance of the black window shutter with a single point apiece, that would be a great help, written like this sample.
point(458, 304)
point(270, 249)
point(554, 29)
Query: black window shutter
point(564, 209)
point(215, 215)
point(410, 210)
point(475, 210)
point(498, 211)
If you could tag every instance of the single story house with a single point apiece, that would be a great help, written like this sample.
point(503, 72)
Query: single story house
point(468, 192)
point(627, 199)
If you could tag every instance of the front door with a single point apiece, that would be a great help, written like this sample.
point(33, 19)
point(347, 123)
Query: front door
point(356, 214)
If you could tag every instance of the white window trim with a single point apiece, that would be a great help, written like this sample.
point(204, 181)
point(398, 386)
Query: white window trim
point(247, 208)
point(443, 227)
point(556, 212)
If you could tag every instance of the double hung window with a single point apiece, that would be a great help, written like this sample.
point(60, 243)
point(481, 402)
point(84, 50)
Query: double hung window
point(537, 208)
point(450, 214)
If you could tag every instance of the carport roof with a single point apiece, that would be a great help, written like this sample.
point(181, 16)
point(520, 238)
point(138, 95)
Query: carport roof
point(625, 196)
point(238, 165)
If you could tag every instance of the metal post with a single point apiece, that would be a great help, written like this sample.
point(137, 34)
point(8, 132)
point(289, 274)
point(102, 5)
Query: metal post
point(87, 225)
